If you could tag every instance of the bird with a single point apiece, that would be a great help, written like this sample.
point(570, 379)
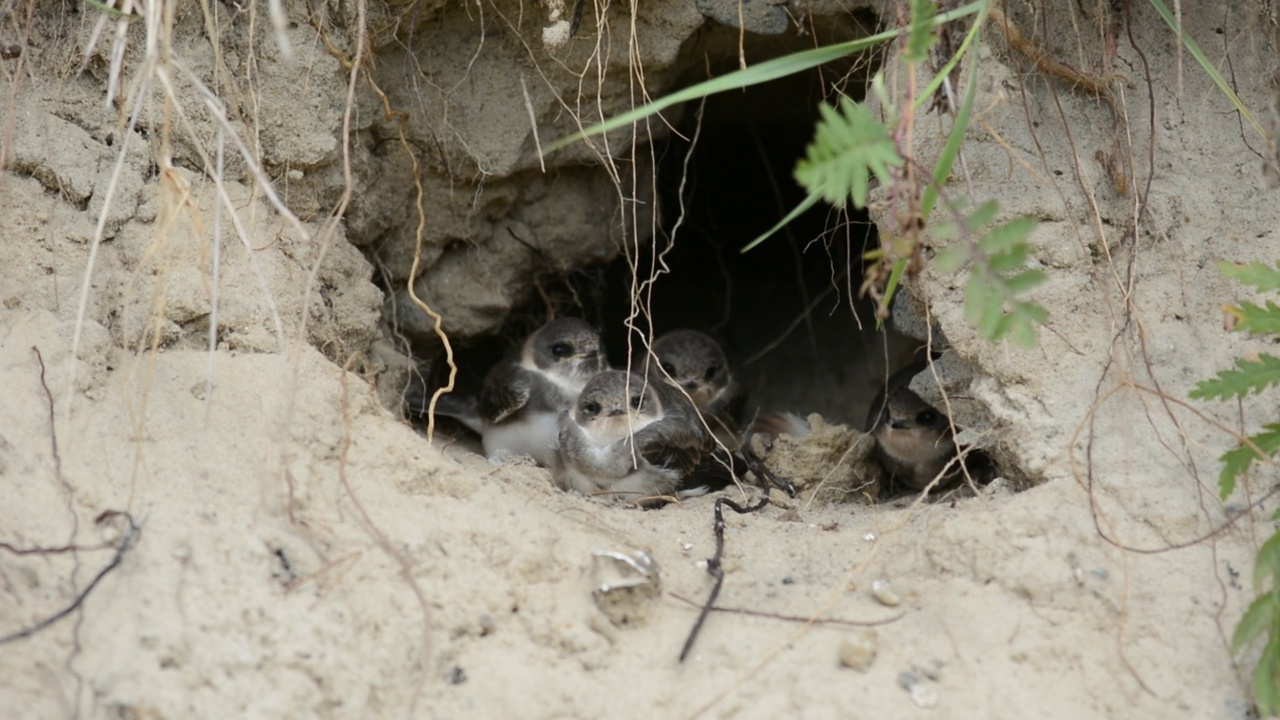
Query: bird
point(914, 442)
point(697, 366)
point(628, 437)
point(523, 396)
point(694, 362)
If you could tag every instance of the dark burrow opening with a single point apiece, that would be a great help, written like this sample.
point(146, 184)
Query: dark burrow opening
point(786, 311)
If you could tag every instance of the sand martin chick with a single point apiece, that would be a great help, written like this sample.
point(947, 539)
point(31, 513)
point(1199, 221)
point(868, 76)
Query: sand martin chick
point(523, 396)
point(695, 363)
point(628, 438)
point(914, 441)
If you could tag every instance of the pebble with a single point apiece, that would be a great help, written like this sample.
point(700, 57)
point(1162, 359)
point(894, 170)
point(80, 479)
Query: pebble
point(858, 651)
point(883, 591)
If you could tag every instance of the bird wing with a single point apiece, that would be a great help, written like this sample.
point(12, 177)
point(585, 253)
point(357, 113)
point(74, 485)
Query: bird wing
point(505, 391)
point(676, 442)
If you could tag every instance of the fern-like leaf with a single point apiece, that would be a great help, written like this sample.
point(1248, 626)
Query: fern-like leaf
point(1257, 620)
point(1258, 320)
point(1266, 679)
point(1255, 274)
point(1237, 461)
point(1251, 376)
point(848, 146)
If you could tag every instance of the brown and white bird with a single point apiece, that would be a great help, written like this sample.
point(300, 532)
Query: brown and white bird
point(523, 396)
point(628, 438)
point(694, 363)
point(914, 442)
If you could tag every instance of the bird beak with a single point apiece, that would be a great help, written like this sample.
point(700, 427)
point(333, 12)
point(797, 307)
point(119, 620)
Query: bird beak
point(898, 424)
point(614, 412)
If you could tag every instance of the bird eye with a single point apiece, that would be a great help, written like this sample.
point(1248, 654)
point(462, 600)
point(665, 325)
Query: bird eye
point(591, 409)
point(669, 369)
point(927, 417)
point(635, 402)
point(561, 350)
point(711, 373)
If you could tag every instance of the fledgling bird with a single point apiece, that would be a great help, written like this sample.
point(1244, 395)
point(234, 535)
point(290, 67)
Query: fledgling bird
point(522, 397)
point(914, 441)
point(693, 362)
point(628, 438)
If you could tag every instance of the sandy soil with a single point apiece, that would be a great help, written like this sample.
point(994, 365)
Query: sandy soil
point(299, 551)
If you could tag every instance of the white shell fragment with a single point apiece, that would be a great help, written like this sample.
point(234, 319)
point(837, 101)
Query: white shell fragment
point(882, 591)
point(624, 585)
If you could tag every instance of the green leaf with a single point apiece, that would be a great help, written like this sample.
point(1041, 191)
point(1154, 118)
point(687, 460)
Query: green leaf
point(895, 277)
point(981, 216)
point(1250, 376)
point(1265, 690)
point(1255, 274)
point(800, 209)
point(1033, 312)
point(1257, 620)
point(1237, 461)
point(1007, 236)
point(995, 323)
point(755, 75)
point(920, 31)
point(977, 298)
point(1266, 568)
point(111, 11)
point(1013, 259)
point(847, 146)
point(1024, 281)
point(1259, 320)
point(1024, 330)
point(952, 258)
point(973, 222)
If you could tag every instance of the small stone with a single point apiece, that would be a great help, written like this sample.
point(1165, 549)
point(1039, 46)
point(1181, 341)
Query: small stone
point(883, 591)
point(788, 580)
point(923, 696)
point(907, 680)
point(858, 651)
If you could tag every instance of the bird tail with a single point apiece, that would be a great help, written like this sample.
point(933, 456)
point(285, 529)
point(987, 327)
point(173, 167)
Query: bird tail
point(776, 424)
point(463, 408)
point(726, 468)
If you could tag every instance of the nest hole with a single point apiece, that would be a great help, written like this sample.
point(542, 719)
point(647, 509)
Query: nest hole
point(788, 310)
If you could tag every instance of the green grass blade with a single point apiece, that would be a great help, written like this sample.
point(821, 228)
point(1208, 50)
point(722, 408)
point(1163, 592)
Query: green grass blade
point(895, 278)
point(804, 205)
point(1209, 69)
point(943, 73)
point(950, 151)
point(754, 75)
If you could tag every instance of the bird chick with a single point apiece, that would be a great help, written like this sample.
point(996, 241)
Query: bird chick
point(914, 441)
point(628, 438)
point(523, 396)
